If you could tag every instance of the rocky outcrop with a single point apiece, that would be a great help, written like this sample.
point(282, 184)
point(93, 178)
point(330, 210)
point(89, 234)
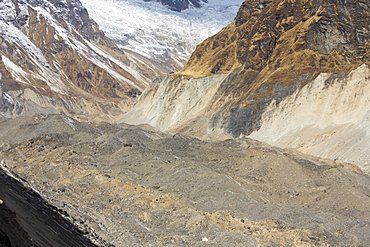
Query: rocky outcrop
point(271, 35)
point(272, 50)
point(55, 50)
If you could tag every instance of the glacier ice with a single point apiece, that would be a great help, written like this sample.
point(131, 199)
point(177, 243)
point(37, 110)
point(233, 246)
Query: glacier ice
point(155, 31)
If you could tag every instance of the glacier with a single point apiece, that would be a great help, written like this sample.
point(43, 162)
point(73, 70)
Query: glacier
point(155, 31)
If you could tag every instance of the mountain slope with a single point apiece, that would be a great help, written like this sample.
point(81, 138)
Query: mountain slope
point(54, 58)
point(272, 50)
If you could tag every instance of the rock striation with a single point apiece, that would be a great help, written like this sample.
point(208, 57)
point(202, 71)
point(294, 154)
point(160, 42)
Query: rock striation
point(272, 50)
point(55, 59)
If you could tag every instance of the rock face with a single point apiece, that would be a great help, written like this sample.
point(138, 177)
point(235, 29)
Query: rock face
point(179, 5)
point(272, 50)
point(54, 58)
point(271, 35)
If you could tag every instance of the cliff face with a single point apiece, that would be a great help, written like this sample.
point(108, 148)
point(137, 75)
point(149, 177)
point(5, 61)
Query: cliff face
point(272, 50)
point(54, 58)
point(267, 35)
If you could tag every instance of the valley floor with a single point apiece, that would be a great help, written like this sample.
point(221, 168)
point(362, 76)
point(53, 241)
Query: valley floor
point(128, 185)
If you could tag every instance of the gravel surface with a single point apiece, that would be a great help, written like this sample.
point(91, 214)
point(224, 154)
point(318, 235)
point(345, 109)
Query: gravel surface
point(132, 186)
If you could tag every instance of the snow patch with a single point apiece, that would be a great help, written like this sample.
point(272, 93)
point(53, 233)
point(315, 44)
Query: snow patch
point(8, 98)
point(91, 52)
point(17, 72)
point(15, 36)
point(7, 10)
point(70, 122)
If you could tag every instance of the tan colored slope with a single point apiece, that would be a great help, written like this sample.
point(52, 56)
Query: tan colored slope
point(329, 117)
point(172, 101)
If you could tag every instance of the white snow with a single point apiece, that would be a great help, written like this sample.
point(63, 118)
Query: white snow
point(102, 53)
point(14, 35)
point(70, 122)
point(147, 28)
point(8, 98)
point(17, 72)
point(59, 30)
point(90, 51)
point(7, 10)
point(152, 30)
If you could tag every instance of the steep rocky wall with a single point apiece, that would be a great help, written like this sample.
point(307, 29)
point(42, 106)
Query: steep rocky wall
point(272, 49)
point(267, 35)
point(28, 220)
point(278, 47)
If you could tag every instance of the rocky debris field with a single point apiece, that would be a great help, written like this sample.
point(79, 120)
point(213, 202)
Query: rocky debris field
point(122, 185)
